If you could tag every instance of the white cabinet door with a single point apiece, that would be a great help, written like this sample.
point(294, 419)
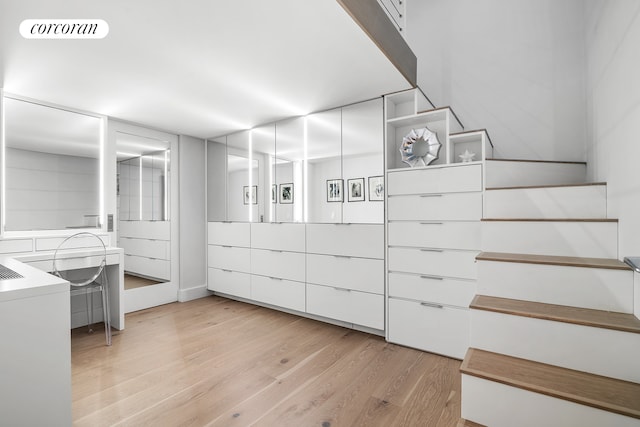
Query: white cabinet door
point(283, 265)
point(434, 234)
point(280, 236)
point(230, 258)
point(349, 306)
point(361, 274)
point(441, 330)
point(450, 179)
point(229, 234)
point(229, 282)
point(442, 290)
point(358, 240)
point(283, 293)
point(430, 207)
point(438, 262)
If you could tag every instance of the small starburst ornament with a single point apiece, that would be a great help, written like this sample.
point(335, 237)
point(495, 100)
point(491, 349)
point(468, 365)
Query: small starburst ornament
point(467, 156)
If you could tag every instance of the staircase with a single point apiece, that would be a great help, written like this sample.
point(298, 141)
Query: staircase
point(553, 340)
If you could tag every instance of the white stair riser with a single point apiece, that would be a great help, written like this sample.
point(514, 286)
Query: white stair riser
point(556, 202)
point(579, 239)
point(595, 288)
point(498, 405)
point(600, 351)
point(512, 174)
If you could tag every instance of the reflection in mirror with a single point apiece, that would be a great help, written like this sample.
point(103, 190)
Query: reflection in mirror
point(324, 154)
point(263, 147)
point(289, 169)
point(144, 232)
point(217, 179)
point(243, 177)
point(362, 149)
point(52, 167)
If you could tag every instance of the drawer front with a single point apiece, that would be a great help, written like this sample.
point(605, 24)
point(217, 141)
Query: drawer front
point(283, 265)
point(73, 263)
point(439, 330)
point(438, 262)
point(349, 306)
point(433, 234)
point(15, 246)
point(441, 290)
point(147, 248)
point(284, 237)
point(360, 274)
point(156, 268)
point(160, 230)
point(230, 258)
point(452, 179)
point(229, 234)
point(444, 207)
point(52, 243)
point(229, 282)
point(283, 293)
point(358, 240)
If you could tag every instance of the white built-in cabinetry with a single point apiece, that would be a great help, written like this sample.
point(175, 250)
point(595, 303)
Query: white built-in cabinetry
point(330, 271)
point(147, 248)
point(433, 230)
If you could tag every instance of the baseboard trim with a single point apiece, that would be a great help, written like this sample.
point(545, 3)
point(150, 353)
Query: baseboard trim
point(192, 293)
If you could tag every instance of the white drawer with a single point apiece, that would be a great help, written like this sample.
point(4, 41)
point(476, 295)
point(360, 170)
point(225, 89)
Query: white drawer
point(229, 282)
point(156, 268)
point(433, 234)
point(147, 248)
point(280, 236)
point(441, 290)
point(444, 207)
point(284, 265)
point(359, 240)
point(72, 263)
point(160, 230)
point(360, 274)
point(52, 243)
point(283, 293)
point(230, 258)
point(437, 262)
point(439, 330)
point(15, 246)
point(349, 306)
point(451, 179)
point(229, 234)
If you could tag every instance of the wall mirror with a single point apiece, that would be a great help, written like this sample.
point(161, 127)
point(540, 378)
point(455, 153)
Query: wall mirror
point(289, 169)
point(52, 167)
point(144, 206)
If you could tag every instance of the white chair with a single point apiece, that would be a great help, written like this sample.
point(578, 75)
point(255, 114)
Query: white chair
point(71, 263)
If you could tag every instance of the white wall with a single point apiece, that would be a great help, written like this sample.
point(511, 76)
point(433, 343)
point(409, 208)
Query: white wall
point(613, 46)
point(515, 67)
point(193, 221)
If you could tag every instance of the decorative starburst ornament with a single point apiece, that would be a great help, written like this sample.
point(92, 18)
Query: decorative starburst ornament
point(420, 147)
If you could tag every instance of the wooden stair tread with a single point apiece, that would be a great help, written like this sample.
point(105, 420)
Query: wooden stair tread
point(536, 161)
point(609, 394)
point(526, 187)
point(567, 261)
point(550, 219)
point(558, 313)
point(467, 423)
point(431, 110)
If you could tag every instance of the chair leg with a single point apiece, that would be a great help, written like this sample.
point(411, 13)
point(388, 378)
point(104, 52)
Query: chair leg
point(106, 308)
point(88, 297)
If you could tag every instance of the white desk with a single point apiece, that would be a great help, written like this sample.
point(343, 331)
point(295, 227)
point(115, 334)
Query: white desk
point(35, 357)
point(82, 258)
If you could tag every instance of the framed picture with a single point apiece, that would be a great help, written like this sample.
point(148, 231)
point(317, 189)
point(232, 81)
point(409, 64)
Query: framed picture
point(376, 188)
point(286, 193)
point(334, 190)
point(250, 194)
point(356, 189)
point(274, 193)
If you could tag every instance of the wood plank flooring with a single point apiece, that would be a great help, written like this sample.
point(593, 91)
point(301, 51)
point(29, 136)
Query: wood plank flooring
point(218, 362)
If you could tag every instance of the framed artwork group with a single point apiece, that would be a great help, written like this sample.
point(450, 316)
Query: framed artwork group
point(356, 189)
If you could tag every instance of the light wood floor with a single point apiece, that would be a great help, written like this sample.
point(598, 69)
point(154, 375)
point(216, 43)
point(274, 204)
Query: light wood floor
point(132, 282)
point(219, 362)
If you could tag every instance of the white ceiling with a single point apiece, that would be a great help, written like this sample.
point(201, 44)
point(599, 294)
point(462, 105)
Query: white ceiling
point(202, 68)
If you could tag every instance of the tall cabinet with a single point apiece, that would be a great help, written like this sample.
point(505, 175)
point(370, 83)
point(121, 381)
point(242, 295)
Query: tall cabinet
point(433, 229)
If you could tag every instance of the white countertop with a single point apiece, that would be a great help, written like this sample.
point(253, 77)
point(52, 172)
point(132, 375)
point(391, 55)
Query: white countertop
point(35, 282)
